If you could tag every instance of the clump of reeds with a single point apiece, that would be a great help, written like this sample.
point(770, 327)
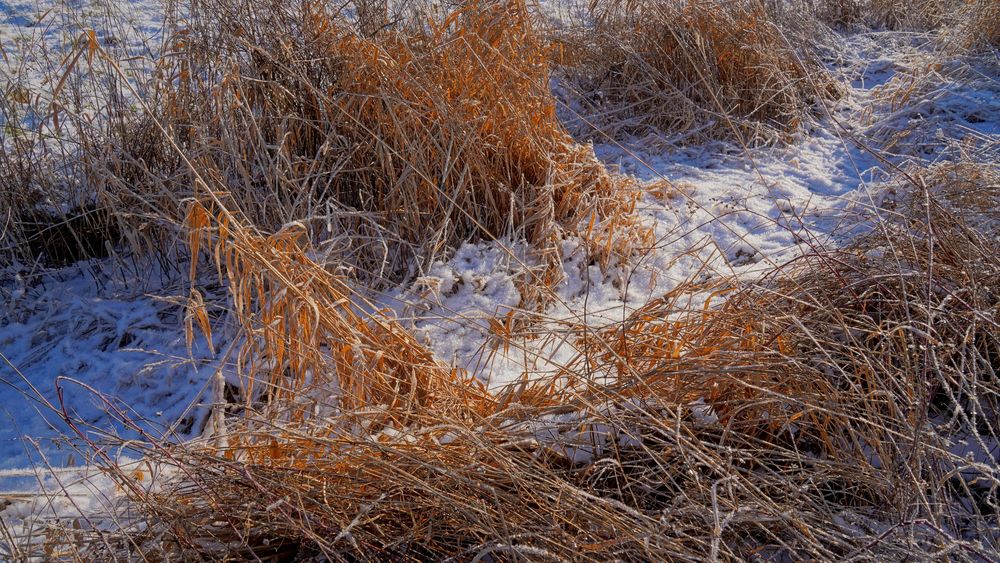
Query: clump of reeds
point(844, 405)
point(691, 70)
point(960, 26)
point(914, 16)
point(303, 328)
point(390, 146)
point(922, 15)
point(976, 27)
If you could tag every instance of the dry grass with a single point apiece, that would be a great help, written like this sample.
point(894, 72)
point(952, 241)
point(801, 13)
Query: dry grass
point(976, 27)
point(390, 147)
point(823, 411)
point(921, 15)
point(303, 332)
point(63, 111)
point(961, 26)
point(691, 70)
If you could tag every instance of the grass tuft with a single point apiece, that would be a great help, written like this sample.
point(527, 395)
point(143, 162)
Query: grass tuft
point(407, 141)
point(692, 70)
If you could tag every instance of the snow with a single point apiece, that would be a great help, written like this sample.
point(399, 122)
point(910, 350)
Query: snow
point(86, 498)
point(104, 347)
point(113, 342)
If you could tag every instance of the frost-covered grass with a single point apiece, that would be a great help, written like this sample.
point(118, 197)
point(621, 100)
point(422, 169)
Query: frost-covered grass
point(451, 296)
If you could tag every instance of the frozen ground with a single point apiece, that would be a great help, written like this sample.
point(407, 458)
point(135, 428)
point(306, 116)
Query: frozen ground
point(115, 346)
point(84, 343)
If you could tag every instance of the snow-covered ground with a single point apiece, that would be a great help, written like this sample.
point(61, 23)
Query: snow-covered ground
point(82, 341)
point(103, 343)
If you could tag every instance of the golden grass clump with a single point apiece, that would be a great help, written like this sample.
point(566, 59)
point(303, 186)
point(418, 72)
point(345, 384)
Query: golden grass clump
point(976, 27)
point(303, 328)
point(885, 303)
point(817, 403)
point(961, 26)
point(912, 16)
point(391, 146)
point(691, 70)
